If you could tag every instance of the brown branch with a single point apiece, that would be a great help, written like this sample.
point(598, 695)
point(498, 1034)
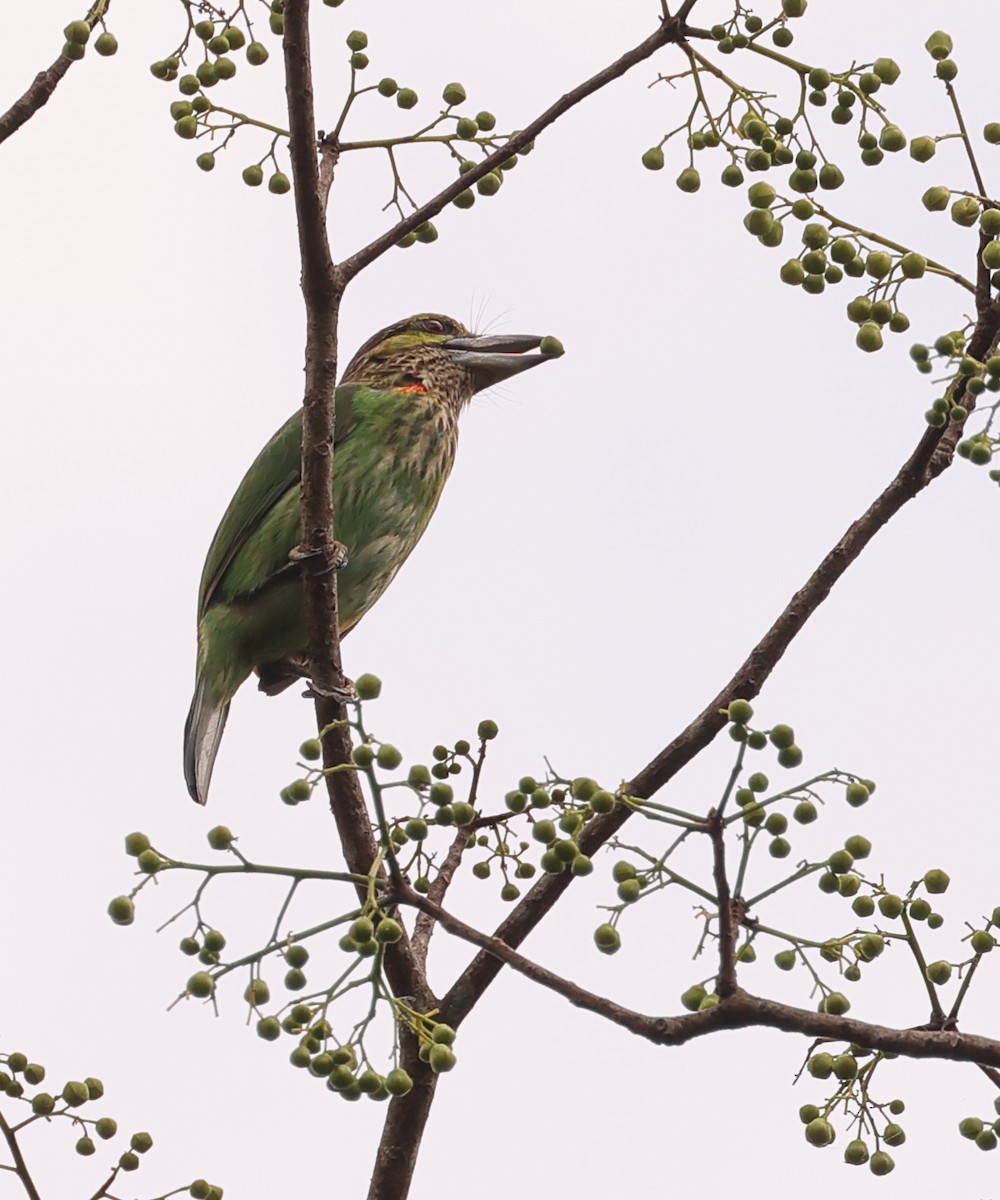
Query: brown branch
point(740, 1010)
point(932, 455)
point(43, 85)
point(405, 1121)
point(729, 918)
point(668, 32)
point(423, 927)
point(21, 1166)
point(322, 294)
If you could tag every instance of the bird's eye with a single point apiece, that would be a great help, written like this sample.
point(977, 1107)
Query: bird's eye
point(434, 326)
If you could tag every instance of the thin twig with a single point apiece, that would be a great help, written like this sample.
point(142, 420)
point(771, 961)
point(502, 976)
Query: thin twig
point(44, 83)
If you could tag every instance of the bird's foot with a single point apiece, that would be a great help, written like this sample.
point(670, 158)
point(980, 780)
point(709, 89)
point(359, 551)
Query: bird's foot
point(334, 556)
point(341, 695)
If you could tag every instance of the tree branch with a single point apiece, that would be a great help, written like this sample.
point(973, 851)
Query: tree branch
point(740, 1010)
point(322, 293)
point(669, 31)
point(43, 85)
point(21, 1166)
point(932, 455)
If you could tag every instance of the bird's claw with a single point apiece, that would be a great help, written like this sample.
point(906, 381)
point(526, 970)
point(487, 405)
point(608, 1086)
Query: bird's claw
point(341, 695)
point(334, 556)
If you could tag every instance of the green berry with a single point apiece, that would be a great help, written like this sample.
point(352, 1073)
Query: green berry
point(857, 794)
point(253, 176)
point(936, 882)
point(869, 337)
point(831, 177)
point(887, 69)
point(77, 32)
point(792, 272)
point(805, 812)
point(106, 44)
point(121, 910)
point(653, 158)
point(863, 906)
point(257, 54)
point(856, 1153)
point(881, 1163)
point(938, 972)
point(819, 1132)
point(201, 985)
point(965, 211)
point(606, 939)
point(939, 45)
point(689, 180)
point(406, 97)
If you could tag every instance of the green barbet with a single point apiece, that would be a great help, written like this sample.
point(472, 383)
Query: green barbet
point(396, 415)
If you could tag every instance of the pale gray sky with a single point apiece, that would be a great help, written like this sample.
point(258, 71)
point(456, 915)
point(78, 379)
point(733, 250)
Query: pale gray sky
point(620, 528)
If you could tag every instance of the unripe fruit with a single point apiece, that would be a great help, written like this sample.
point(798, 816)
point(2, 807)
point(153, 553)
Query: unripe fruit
point(406, 97)
point(892, 139)
point(863, 906)
point(792, 272)
point(970, 1127)
point(869, 337)
point(206, 161)
point(939, 972)
point(805, 812)
point(937, 882)
point(831, 177)
point(693, 997)
point(965, 211)
point(653, 159)
point(856, 1153)
point(201, 985)
point(936, 199)
point(689, 180)
point(856, 794)
point(887, 69)
point(106, 44)
point(77, 32)
point(819, 1132)
point(923, 149)
point(121, 910)
point(784, 960)
point(253, 176)
point(890, 906)
point(356, 40)
point(913, 265)
point(836, 1004)
point(939, 45)
point(441, 1059)
point(982, 941)
point(881, 1163)
point(257, 54)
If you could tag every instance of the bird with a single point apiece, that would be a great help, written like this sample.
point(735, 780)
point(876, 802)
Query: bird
point(396, 414)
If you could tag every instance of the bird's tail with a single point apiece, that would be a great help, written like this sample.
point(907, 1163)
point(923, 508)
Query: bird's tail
point(202, 735)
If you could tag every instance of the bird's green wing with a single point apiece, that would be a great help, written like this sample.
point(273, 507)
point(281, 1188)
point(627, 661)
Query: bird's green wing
point(274, 473)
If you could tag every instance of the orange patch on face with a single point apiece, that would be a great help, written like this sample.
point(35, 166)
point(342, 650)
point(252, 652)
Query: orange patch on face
point(414, 387)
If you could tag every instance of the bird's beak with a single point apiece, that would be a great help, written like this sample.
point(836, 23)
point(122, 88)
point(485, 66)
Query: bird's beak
point(491, 360)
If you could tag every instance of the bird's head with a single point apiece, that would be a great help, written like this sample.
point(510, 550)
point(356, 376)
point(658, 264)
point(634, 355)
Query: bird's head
point(439, 355)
